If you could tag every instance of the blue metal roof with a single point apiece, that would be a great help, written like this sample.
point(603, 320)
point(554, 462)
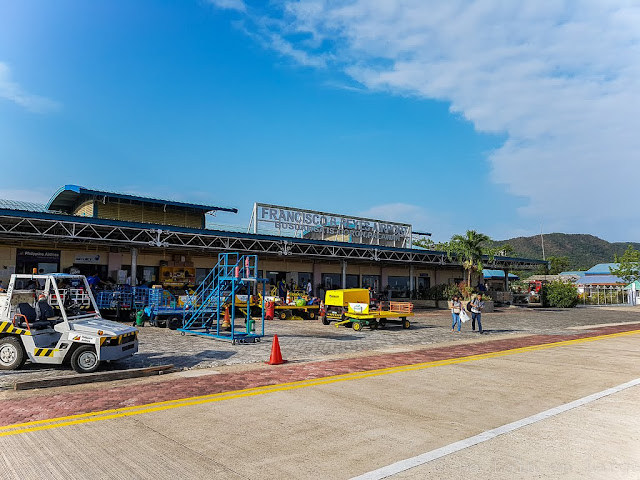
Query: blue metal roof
point(600, 280)
point(66, 197)
point(101, 221)
point(23, 206)
point(495, 274)
point(602, 269)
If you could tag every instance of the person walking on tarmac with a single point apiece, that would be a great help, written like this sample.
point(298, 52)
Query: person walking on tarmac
point(456, 308)
point(282, 289)
point(476, 312)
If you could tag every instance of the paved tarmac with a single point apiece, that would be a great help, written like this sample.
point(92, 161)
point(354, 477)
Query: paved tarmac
point(310, 340)
point(292, 421)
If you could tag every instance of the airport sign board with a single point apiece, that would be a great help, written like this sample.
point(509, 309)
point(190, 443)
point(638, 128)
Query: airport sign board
point(300, 223)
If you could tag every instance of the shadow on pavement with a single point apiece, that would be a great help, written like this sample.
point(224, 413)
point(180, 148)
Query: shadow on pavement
point(324, 337)
point(148, 359)
point(488, 331)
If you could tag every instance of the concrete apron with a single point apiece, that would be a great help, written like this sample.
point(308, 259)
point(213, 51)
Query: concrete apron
point(344, 429)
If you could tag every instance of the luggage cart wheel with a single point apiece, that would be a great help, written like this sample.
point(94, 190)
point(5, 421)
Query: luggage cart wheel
point(312, 315)
point(382, 323)
point(405, 323)
point(373, 325)
point(233, 342)
point(282, 315)
point(357, 326)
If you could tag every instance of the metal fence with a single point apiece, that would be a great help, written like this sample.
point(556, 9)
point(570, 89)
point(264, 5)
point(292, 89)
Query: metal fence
point(606, 295)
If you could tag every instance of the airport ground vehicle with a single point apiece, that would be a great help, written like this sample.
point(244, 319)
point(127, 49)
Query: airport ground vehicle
point(54, 333)
point(352, 307)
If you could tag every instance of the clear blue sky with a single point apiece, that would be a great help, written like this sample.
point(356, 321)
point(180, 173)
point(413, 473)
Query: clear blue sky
point(231, 102)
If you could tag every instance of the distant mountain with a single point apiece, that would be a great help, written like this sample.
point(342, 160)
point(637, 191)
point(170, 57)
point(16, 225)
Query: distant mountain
point(584, 251)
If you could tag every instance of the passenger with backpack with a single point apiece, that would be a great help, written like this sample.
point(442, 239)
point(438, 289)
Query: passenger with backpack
point(476, 312)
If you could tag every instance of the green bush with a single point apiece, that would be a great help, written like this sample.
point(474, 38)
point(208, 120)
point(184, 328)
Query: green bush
point(451, 290)
point(435, 293)
point(561, 294)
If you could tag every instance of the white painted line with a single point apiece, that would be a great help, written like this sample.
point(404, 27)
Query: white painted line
point(416, 461)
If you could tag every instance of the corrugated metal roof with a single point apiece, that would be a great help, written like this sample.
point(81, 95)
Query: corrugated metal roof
point(600, 280)
point(488, 274)
point(66, 197)
point(22, 206)
point(601, 269)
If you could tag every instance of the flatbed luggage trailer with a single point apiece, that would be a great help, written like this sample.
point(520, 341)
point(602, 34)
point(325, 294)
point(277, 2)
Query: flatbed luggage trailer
point(351, 308)
point(296, 312)
point(31, 329)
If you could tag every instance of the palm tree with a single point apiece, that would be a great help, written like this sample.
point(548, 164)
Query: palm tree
point(469, 249)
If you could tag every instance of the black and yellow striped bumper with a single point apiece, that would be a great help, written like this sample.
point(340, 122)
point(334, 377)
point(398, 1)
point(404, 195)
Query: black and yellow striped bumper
point(119, 340)
point(44, 352)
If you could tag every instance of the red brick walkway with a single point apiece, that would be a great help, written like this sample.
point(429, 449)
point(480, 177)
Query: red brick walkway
point(58, 405)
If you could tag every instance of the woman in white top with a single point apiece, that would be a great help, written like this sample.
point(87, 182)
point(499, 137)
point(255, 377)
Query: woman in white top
point(456, 308)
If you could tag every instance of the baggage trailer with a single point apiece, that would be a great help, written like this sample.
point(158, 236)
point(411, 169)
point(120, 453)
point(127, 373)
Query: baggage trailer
point(122, 302)
point(31, 329)
point(290, 311)
point(351, 307)
point(295, 312)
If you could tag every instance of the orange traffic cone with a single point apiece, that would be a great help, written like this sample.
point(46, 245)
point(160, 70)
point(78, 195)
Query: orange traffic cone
point(226, 322)
point(276, 356)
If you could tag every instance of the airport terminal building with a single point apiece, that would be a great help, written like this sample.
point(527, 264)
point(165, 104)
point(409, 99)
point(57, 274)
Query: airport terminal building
point(135, 239)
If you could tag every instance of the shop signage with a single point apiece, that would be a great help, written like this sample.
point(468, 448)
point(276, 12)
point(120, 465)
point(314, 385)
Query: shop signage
point(311, 224)
point(89, 258)
point(38, 256)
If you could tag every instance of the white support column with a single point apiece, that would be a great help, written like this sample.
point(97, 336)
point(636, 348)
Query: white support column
point(134, 266)
point(344, 274)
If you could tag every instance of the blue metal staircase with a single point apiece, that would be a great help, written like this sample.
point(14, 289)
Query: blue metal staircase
point(205, 316)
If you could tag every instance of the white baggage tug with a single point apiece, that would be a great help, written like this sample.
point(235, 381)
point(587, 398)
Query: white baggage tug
point(50, 322)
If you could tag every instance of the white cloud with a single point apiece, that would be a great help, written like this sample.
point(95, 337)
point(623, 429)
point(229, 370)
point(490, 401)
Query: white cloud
point(560, 79)
point(11, 91)
point(230, 4)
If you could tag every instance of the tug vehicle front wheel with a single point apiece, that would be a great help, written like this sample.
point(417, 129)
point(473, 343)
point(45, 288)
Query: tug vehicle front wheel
point(85, 359)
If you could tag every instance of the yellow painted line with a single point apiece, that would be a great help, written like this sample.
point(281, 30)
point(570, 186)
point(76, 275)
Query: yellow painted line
point(78, 419)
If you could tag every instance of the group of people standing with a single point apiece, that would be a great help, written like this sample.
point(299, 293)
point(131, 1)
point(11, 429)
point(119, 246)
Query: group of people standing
point(284, 289)
point(476, 306)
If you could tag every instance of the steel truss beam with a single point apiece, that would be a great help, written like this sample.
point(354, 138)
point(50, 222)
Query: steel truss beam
point(70, 231)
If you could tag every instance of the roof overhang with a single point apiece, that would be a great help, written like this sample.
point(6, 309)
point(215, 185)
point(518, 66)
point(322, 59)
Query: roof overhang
point(68, 196)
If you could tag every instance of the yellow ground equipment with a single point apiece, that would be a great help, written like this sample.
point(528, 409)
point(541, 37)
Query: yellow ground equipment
point(351, 307)
point(297, 309)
